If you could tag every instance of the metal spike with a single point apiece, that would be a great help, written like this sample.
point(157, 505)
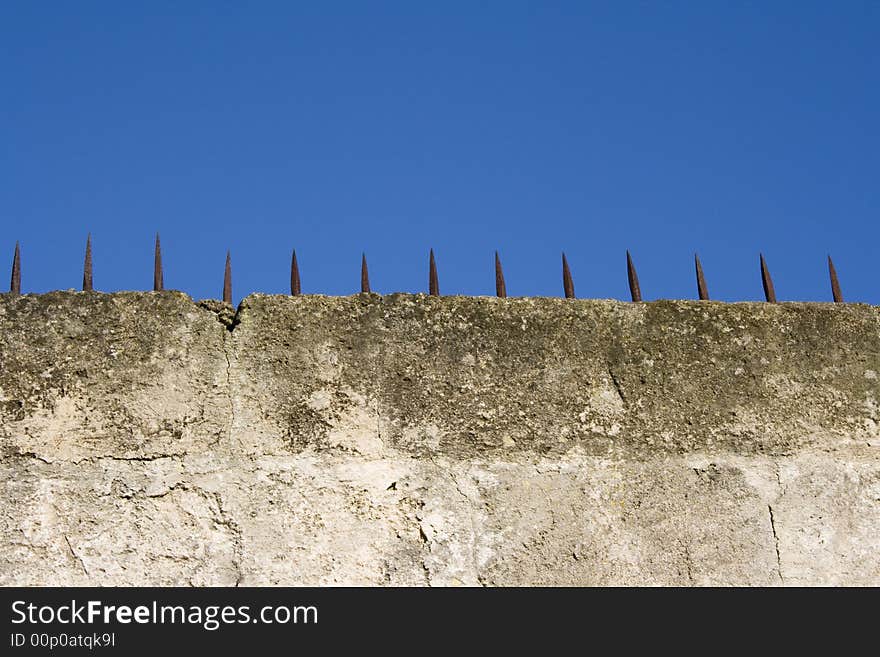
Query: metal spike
point(500, 287)
point(835, 284)
point(433, 283)
point(767, 282)
point(87, 266)
point(295, 288)
point(365, 275)
point(702, 292)
point(158, 277)
point(634, 290)
point(15, 282)
point(567, 283)
point(227, 280)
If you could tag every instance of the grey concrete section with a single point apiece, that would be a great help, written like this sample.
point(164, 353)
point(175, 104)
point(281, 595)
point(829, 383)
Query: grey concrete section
point(468, 376)
point(409, 440)
point(129, 375)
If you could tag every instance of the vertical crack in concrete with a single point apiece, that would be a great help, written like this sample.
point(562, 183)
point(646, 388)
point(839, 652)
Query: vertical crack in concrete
point(779, 483)
point(472, 507)
point(688, 563)
point(379, 411)
point(227, 348)
point(377, 371)
point(474, 533)
point(76, 557)
point(616, 382)
point(225, 520)
point(550, 505)
point(780, 491)
point(776, 542)
point(229, 386)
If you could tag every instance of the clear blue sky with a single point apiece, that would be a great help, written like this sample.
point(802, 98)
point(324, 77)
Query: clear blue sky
point(725, 128)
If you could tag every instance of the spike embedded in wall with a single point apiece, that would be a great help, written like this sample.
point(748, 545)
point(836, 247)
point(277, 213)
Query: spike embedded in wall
point(835, 284)
point(295, 288)
point(15, 281)
point(227, 280)
point(158, 277)
point(767, 282)
point(567, 283)
point(87, 266)
point(365, 275)
point(702, 291)
point(500, 287)
point(433, 282)
point(634, 290)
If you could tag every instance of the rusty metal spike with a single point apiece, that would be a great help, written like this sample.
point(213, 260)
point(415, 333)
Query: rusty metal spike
point(365, 275)
point(835, 284)
point(227, 280)
point(158, 277)
point(767, 282)
point(567, 283)
point(433, 283)
point(634, 290)
point(87, 266)
point(702, 291)
point(500, 287)
point(295, 287)
point(15, 282)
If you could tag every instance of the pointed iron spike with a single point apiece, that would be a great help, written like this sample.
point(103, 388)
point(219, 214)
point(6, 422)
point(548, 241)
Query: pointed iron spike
point(835, 284)
point(227, 280)
point(295, 287)
point(702, 292)
point(158, 278)
point(767, 282)
point(634, 290)
point(365, 275)
point(500, 287)
point(567, 283)
point(433, 282)
point(87, 266)
point(15, 282)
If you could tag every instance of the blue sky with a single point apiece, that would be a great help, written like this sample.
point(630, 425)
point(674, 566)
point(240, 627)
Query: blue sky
point(528, 127)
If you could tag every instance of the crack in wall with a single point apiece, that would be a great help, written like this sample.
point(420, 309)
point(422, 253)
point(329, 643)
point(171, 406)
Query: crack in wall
point(180, 485)
point(472, 507)
point(379, 422)
point(125, 459)
point(76, 557)
point(776, 543)
point(228, 352)
point(224, 519)
point(229, 396)
point(688, 562)
point(28, 455)
point(617, 386)
point(235, 530)
point(549, 505)
point(780, 491)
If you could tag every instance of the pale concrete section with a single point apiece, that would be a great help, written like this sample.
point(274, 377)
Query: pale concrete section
point(111, 522)
point(320, 519)
point(827, 517)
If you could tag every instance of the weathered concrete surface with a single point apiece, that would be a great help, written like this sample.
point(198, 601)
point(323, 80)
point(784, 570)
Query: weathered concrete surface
point(405, 439)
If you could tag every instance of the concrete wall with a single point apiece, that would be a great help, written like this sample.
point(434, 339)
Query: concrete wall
point(147, 439)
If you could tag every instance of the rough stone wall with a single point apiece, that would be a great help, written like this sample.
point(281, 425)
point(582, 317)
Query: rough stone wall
point(412, 440)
